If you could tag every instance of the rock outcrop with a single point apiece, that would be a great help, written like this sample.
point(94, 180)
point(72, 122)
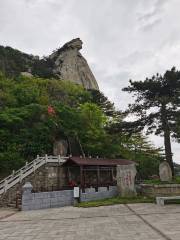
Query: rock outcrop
point(70, 65)
point(66, 63)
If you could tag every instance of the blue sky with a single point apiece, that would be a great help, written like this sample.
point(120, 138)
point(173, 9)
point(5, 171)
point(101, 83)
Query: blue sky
point(123, 39)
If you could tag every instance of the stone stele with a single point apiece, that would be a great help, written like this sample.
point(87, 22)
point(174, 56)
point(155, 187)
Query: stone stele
point(165, 172)
point(126, 180)
point(60, 147)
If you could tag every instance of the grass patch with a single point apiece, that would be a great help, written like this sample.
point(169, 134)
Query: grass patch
point(173, 201)
point(176, 180)
point(115, 200)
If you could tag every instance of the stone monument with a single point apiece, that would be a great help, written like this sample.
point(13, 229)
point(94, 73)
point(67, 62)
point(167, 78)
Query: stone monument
point(60, 147)
point(165, 172)
point(126, 180)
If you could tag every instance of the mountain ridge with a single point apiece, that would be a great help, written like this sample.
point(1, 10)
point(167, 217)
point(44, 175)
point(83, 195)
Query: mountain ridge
point(66, 63)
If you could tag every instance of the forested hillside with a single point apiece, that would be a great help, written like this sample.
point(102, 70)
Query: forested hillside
point(35, 111)
point(13, 62)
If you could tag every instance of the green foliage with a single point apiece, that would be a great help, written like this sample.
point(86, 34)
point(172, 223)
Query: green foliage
point(156, 107)
point(92, 130)
point(176, 180)
point(27, 129)
point(103, 102)
point(12, 61)
point(43, 67)
point(138, 148)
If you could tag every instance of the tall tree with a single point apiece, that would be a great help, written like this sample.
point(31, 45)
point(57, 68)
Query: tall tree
point(104, 103)
point(157, 106)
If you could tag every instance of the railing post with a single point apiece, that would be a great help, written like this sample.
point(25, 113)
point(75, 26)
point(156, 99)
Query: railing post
point(59, 159)
point(37, 157)
point(20, 176)
point(34, 166)
point(5, 185)
point(13, 172)
point(46, 158)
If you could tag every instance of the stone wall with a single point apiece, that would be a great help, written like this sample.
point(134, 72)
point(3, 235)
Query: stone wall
point(42, 200)
point(152, 190)
point(103, 192)
point(47, 178)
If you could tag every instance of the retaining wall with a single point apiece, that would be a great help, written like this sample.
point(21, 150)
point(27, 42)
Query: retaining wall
point(103, 192)
point(154, 190)
point(48, 175)
point(42, 200)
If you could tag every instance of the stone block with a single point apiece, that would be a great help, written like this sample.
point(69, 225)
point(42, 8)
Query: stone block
point(102, 189)
point(126, 180)
point(165, 172)
point(89, 190)
point(112, 188)
point(26, 197)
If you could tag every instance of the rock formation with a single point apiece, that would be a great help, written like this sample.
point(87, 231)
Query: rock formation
point(66, 63)
point(70, 65)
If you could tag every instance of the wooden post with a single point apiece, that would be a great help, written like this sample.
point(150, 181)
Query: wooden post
point(81, 176)
point(68, 174)
point(58, 172)
point(98, 176)
point(112, 175)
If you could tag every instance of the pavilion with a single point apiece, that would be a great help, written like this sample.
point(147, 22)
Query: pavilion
point(92, 172)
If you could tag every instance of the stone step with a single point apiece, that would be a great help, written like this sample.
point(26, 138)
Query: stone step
point(11, 205)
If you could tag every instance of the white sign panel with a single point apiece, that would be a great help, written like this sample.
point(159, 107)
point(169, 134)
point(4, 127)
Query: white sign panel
point(76, 192)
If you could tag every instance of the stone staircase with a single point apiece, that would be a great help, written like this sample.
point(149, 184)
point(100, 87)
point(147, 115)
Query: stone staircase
point(29, 168)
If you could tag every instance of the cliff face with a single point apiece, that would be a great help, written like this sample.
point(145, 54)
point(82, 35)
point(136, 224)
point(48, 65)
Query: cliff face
point(70, 65)
point(66, 63)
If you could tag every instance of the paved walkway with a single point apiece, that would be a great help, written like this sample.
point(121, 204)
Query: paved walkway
point(118, 222)
point(7, 212)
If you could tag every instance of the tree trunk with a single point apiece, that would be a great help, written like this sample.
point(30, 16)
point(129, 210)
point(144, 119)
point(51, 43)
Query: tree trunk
point(82, 151)
point(168, 152)
point(167, 139)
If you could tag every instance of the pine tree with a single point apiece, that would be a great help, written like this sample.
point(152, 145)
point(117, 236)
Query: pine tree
point(157, 106)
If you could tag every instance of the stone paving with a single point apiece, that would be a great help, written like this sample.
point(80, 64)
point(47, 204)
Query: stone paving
point(6, 212)
point(118, 222)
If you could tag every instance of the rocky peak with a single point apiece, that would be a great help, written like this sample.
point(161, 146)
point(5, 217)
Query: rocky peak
point(70, 65)
point(75, 43)
point(66, 63)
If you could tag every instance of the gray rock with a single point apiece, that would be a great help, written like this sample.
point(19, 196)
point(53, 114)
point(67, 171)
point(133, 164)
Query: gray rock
point(165, 172)
point(126, 180)
point(60, 147)
point(27, 188)
point(26, 74)
point(72, 66)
